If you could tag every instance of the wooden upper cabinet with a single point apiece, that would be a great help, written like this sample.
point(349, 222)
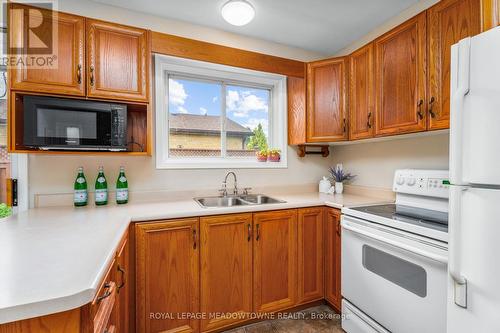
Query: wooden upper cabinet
point(327, 100)
point(167, 276)
point(400, 78)
point(117, 61)
point(296, 87)
point(310, 254)
point(448, 22)
point(65, 76)
point(275, 260)
point(490, 14)
point(361, 94)
point(333, 257)
point(226, 268)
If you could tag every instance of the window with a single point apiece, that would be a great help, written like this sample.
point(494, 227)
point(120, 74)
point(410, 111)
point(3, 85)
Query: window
point(216, 116)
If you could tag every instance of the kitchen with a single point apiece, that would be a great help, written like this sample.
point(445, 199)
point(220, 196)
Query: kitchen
point(190, 92)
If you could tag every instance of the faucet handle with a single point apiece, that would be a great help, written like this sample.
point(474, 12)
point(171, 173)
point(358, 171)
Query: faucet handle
point(223, 192)
point(246, 190)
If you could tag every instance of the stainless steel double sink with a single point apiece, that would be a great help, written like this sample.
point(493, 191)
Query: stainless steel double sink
point(236, 200)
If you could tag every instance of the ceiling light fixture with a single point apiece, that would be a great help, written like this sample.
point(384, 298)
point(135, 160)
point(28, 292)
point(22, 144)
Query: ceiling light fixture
point(238, 12)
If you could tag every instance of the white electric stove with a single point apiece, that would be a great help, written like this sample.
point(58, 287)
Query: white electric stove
point(394, 258)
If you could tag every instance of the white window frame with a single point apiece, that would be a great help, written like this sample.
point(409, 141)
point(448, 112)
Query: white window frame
point(168, 65)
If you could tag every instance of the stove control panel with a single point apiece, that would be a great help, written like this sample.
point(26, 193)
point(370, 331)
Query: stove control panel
point(430, 183)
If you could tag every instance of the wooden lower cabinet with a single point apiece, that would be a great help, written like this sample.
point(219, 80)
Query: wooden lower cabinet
point(275, 260)
point(226, 269)
point(310, 254)
point(167, 276)
point(123, 278)
point(332, 257)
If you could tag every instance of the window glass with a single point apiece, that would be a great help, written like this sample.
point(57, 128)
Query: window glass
point(194, 118)
point(247, 127)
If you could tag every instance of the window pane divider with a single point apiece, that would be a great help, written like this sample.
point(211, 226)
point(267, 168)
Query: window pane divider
point(223, 132)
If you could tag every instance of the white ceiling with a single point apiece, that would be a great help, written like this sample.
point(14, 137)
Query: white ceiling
point(323, 26)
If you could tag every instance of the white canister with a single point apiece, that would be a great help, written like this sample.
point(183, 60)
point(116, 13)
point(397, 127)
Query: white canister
point(324, 185)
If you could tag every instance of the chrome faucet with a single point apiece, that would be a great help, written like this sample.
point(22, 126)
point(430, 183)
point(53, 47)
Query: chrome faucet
point(224, 185)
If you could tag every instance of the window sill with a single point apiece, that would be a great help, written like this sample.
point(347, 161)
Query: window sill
point(219, 164)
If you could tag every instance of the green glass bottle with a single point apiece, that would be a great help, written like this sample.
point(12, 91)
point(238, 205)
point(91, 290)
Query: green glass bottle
point(121, 188)
point(80, 197)
point(101, 188)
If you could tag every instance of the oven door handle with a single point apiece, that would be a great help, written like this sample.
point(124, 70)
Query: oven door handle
point(420, 252)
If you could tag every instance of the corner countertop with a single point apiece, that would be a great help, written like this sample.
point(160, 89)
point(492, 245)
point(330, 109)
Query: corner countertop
point(53, 259)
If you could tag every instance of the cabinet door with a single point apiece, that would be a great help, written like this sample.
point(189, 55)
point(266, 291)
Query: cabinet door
point(490, 14)
point(167, 276)
point(118, 61)
point(296, 87)
point(361, 93)
point(62, 75)
point(327, 100)
point(448, 22)
point(275, 260)
point(400, 79)
point(122, 273)
point(226, 269)
point(310, 254)
point(332, 257)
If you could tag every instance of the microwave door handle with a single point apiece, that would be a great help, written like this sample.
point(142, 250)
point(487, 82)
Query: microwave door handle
point(454, 268)
point(420, 252)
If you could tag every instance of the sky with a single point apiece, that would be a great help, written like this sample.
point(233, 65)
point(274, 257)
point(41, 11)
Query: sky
point(247, 106)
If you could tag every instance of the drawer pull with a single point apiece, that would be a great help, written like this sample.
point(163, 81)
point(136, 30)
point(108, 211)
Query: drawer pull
point(107, 286)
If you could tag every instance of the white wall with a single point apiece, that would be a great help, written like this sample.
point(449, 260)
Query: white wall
point(375, 163)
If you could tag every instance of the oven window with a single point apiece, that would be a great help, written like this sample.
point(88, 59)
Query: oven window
point(66, 124)
point(401, 272)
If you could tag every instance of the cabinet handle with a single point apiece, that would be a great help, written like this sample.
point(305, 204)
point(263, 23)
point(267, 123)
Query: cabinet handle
point(79, 73)
point(122, 284)
point(92, 75)
point(419, 109)
point(107, 286)
point(345, 126)
point(249, 232)
point(258, 232)
point(194, 239)
point(338, 228)
point(369, 123)
point(431, 112)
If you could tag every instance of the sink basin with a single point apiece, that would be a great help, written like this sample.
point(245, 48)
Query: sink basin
point(242, 200)
point(219, 202)
point(259, 199)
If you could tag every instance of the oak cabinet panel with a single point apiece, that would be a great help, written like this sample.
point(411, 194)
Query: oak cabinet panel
point(327, 100)
point(400, 80)
point(167, 259)
point(310, 254)
point(361, 93)
point(296, 88)
point(226, 268)
point(66, 74)
point(275, 260)
point(448, 22)
point(118, 61)
point(123, 279)
point(332, 257)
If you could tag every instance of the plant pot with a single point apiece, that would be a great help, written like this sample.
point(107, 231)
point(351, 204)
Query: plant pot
point(339, 188)
point(274, 158)
point(261, 158)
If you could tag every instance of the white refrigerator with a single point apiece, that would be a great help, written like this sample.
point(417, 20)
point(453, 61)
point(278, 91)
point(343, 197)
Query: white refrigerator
point(474, 219)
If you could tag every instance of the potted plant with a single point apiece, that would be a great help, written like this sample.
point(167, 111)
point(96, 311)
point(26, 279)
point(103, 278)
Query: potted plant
point(5, 211)
point(261, 155)
point(339, 177)
point(274, 155)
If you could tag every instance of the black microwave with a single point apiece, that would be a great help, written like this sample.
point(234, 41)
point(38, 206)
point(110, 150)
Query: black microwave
point(68, 124)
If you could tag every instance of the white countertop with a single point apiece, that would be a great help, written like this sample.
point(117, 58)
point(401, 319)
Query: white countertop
point(53, 259)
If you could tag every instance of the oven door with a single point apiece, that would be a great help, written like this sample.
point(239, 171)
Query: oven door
point(66, 124)
point(396, 278)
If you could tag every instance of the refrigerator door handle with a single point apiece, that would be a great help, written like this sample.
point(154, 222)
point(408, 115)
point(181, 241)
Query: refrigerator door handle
point(460, 85)
point(454, 268)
